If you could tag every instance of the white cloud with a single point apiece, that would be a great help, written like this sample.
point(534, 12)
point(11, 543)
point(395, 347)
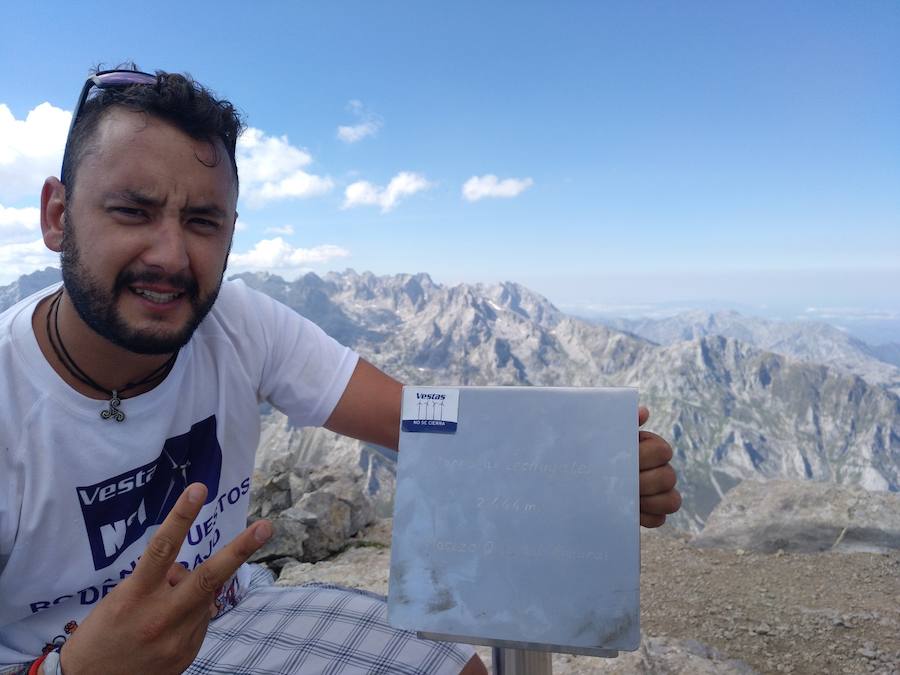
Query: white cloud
point(279, 257)
point(299, 184)
point(22, 258)
point(479, 187)
point(359, 193)
point(357, 132)
point(19, 252)
point(368, 125)
point(30, 149)
point(287, 230)
point(18, 224)
point(271, 168)
point(405, 183)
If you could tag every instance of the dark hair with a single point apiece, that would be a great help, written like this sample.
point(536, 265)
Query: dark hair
point(175, 98)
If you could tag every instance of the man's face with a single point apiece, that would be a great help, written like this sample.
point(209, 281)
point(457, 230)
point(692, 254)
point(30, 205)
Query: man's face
point(147, 232)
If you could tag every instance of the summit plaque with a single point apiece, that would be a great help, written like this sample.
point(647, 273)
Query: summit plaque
point(516, 518)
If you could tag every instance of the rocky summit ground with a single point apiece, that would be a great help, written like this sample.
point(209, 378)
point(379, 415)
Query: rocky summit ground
point(717, 610)
point(791, 612)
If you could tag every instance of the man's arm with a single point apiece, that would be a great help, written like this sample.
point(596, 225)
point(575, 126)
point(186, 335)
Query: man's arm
point(369, 408)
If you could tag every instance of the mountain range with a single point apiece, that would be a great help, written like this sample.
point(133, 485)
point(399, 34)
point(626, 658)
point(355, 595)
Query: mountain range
point(810, 341)
point(737, 398)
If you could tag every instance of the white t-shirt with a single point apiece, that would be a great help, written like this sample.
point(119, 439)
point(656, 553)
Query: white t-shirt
point(80, 496)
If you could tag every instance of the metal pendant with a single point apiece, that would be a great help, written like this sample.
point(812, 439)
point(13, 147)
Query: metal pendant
point(113, 410)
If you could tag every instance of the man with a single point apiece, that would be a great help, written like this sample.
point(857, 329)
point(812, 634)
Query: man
point(130, 420)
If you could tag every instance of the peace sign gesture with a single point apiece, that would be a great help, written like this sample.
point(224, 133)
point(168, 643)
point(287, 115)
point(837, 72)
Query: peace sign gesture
point(156, 619)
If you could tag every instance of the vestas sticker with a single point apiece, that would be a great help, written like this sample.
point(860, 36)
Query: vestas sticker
point(430, 410)
point(117, 511)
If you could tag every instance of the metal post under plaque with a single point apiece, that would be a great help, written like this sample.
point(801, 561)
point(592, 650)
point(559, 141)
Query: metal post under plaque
point(521, 662)
point(516, 521)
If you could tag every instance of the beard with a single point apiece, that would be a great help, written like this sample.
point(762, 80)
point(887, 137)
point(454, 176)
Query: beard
point(97, 306)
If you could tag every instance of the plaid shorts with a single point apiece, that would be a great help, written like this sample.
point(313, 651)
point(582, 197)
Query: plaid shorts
point(317, 628)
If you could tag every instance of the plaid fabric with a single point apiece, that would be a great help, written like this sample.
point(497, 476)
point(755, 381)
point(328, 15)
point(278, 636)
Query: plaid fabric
point(317, 628)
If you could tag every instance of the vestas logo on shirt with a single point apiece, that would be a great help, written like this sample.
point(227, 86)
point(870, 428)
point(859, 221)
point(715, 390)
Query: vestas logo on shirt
point(117, 511)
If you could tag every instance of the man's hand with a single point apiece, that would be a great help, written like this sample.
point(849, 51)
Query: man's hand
point(657, 477)
point(156, 619)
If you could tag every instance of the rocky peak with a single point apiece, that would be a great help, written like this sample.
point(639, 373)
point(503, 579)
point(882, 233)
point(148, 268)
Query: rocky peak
point(807, 517)
point(26, 285)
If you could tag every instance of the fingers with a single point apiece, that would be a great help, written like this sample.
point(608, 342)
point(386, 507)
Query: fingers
point(653, 451)
point(156, 562)
point(657, 481)
point(208, 578)
point(657, 478)
point(661, 505)
point(177, 572)
point(648, 520)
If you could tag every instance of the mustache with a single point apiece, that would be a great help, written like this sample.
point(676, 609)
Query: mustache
point(181, 282)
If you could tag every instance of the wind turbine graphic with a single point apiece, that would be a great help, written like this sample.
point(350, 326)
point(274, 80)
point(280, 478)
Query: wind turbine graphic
point(176, 467)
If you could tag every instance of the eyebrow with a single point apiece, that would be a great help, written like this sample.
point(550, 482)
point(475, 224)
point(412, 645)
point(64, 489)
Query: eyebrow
point(134, 197)
point(203, 210)
point(141, 199)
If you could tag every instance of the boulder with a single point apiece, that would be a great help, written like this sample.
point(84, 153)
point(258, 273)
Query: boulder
point(271, 494)
point(289, 535)
point(349, 490)
point(284, 448)
point(328, 524)
point(364, 564)
point(803, 516)
point(314, 512)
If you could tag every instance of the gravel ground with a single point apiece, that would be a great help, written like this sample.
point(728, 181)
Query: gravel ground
point(780, 613)
point(795, 613)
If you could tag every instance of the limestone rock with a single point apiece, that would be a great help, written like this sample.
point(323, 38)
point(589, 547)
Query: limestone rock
point(365, 564)
point(359, 567)
point(284, 447)
point(289, 534)
point(270, 495)
point(351, 493)
point(314, 513)
point(328, 525)
point(803, 516)
point(377, 534)
point(310, 455)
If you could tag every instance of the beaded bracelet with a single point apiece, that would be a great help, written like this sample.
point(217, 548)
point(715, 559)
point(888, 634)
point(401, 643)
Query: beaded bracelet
point(36, 666)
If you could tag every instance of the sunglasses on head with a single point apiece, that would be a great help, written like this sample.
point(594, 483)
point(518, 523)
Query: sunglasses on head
point(105, 79)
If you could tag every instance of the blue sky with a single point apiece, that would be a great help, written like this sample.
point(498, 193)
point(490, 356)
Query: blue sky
point(643, 152)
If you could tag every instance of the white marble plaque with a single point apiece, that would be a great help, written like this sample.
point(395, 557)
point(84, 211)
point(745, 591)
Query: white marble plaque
point(521, 524)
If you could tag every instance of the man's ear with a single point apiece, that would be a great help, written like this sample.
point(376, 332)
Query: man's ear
point(53, 206)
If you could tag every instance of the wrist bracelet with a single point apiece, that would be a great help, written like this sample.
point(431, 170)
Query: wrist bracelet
point(50, 661)
point(36, 666)
point(52, 664)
